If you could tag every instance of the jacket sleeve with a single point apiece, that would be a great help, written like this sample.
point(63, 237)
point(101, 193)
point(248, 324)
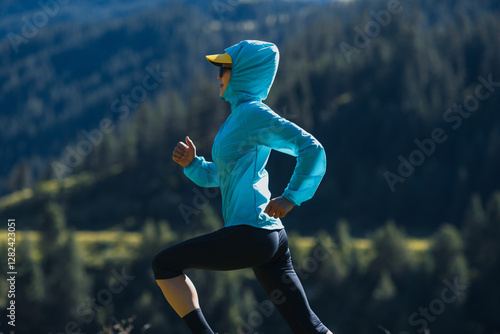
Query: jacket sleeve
point(202, 172)
point(269, 129)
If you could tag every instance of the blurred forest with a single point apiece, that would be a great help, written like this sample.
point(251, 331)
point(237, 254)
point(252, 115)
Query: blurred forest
point(405, 112)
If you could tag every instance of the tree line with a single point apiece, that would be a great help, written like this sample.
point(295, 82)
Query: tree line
point(449, 286)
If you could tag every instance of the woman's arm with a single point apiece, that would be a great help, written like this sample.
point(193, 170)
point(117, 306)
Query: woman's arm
point(268, 128)
point(201, 172)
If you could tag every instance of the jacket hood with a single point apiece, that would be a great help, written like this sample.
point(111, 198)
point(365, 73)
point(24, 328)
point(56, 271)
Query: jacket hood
point(254, 67)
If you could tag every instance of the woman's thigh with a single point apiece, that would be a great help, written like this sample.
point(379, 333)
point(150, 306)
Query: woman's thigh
point(230, 248)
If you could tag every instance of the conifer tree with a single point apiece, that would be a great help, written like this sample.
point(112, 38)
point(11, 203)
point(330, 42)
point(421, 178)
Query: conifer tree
point(448, 254)
point(390, 246)
point(385, 288)
point(31, 280)
point(475, 232)
point(21, 176)
point(66, 282)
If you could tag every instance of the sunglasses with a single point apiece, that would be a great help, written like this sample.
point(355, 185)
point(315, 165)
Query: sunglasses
point(222, 70)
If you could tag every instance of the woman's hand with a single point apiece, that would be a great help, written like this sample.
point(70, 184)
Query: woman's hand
point(184, 153)
point(278, 207)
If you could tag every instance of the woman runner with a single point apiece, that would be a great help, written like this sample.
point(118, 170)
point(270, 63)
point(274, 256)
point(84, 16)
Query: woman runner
point(253, 235)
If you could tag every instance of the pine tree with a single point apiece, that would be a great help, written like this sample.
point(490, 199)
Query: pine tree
point(392, 254)
point(66, 282)
point(343, 241)
point(482, 232)
point(31, 282)
point(53, 233)
point(385, 288)
point(21, 176)
point(448, 252)
point(475, 232)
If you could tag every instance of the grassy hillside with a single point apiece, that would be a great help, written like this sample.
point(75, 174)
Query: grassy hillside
point(65, 77)
point(375, 115)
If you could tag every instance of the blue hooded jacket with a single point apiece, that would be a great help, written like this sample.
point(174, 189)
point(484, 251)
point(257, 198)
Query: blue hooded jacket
point(243, 144)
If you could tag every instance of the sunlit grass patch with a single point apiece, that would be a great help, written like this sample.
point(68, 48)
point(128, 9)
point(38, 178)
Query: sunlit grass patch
point(418, 245)
point(51, 187)
point(16, 197)
point(413, 244)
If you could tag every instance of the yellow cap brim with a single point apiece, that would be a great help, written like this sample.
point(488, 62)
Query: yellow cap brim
point(219, 59)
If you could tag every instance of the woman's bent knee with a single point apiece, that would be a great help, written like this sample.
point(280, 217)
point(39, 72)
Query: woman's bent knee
point(163, 268)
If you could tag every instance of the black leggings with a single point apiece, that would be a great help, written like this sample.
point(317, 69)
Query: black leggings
point(243, 246)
